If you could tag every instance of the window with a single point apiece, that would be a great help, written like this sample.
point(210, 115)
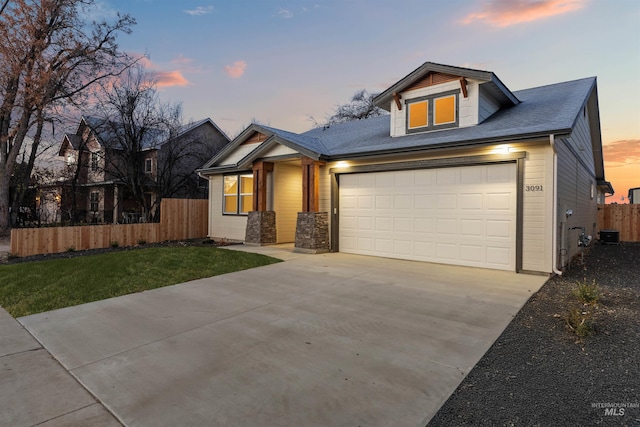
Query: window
point(444, 110)
point(418, 114)
point(238, 194)
point(94, 162)
point(148, 165)
point(432, 112)
point(94, 199)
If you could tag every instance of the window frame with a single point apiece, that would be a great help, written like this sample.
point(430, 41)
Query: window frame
point(239, 193)
point(148, 161)
point(431, 111)
point(94, 161)
point(95, 200)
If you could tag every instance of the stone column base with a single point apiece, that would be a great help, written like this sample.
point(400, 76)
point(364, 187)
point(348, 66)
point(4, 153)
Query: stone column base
point(312, 232)
point(261, 228)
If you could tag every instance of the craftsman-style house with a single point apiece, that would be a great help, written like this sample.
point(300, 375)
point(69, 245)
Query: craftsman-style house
point(462, 171)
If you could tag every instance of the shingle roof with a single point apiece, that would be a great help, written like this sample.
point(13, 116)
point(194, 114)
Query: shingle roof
point(542, 110)
point(551, 109)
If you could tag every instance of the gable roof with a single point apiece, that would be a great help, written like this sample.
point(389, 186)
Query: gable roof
point(491, 82)
point(541, 111)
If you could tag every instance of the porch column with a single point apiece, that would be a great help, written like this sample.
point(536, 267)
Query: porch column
point(260, 171)
point(261, 224)
point(312, 227)
point(310, 187)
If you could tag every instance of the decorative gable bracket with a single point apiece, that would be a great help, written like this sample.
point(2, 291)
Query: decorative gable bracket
point(463, 86)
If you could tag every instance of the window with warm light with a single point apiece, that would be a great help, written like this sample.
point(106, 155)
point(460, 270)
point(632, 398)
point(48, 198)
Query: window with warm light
point(238, 194)
point(418, 114)
point(432, 112)
point(444, 110)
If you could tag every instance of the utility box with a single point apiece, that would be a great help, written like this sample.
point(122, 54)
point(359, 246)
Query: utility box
point(610, 237)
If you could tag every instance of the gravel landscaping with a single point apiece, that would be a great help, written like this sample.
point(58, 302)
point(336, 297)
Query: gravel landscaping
point(541, 373)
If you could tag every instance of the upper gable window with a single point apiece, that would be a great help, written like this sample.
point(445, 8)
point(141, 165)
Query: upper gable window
point(439, 111)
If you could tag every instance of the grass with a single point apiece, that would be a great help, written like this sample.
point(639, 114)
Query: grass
point(34, 287)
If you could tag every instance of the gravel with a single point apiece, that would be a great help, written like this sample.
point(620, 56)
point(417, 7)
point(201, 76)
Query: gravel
point(540, 373)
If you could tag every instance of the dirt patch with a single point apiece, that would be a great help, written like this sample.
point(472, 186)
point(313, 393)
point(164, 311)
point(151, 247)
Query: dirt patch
point(539, 373)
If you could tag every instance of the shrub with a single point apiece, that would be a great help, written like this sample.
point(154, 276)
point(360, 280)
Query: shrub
point(142, 242)
point(577, 319)
point(71, 249)
point(587, 293)
point(115, 244)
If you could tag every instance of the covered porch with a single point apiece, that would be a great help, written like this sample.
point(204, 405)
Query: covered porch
point(285, 205)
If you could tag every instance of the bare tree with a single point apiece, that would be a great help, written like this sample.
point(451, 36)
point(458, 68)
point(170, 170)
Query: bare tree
point(360, 107)
point(133, 124)
point(50, 53)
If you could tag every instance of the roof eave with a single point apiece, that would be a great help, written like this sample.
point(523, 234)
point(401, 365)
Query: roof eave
point(560, 133)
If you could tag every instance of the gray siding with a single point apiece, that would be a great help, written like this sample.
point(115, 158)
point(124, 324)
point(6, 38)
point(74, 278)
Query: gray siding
point(486, 106)
point(576, 178)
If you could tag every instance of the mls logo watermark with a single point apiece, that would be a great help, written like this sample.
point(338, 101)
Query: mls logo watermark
point(615, 409)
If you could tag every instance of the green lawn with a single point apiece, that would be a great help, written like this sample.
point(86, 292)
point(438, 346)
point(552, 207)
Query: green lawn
point(34, 287)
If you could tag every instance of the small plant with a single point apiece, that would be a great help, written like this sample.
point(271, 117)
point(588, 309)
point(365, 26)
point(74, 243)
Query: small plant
point(577, 319)
point(115, 244)
point(71, 249)
point(587, 293)
point(142, 242)
point(208, 242)
point(11, 255)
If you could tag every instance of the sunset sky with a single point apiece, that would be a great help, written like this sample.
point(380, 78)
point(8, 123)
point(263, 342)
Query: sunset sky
point(280, 62)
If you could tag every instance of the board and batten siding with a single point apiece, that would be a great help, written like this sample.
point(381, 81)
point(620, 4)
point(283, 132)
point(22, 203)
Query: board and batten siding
point(287, 200)
point(576, 187)
point(231, 227)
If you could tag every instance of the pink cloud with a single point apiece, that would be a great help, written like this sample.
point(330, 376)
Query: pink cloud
point(503, 13)
point(163, 78)
point(170, 78)
point(622, 153)
point(236, 70)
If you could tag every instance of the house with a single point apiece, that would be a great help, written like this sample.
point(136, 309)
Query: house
point(462, 171)
point(93, 186)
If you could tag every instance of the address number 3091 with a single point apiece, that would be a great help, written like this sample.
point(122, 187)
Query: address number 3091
point(533, 188)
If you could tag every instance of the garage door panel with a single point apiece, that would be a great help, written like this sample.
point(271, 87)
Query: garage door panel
point(384, 201)
point(499, 202)
point(446, 226)
point(472, 253)
point(423, 201)
point(447, 176)
point(451, 215)
point(365, 202)
point(472, 227)
point(471, 176)
point(472, 201)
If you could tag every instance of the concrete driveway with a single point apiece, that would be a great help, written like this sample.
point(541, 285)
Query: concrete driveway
point(318, 340)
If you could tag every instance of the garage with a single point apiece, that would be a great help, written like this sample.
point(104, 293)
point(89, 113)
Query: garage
point(456, 215)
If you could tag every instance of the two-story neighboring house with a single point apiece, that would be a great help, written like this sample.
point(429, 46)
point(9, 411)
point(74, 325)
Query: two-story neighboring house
point(462, 171)
point(94, 187)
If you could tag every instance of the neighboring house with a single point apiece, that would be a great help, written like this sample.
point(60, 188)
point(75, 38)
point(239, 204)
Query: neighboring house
point(634, 195)
point(463, 171)
point(101, 196)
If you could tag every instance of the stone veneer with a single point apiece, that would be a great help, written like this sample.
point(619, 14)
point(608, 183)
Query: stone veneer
point(261, 228)
point(312, 232)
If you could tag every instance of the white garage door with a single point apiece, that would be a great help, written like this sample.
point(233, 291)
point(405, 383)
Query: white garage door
point(463, 215)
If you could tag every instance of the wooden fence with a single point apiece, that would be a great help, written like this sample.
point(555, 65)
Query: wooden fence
point(180, 219)
point(623, 218)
